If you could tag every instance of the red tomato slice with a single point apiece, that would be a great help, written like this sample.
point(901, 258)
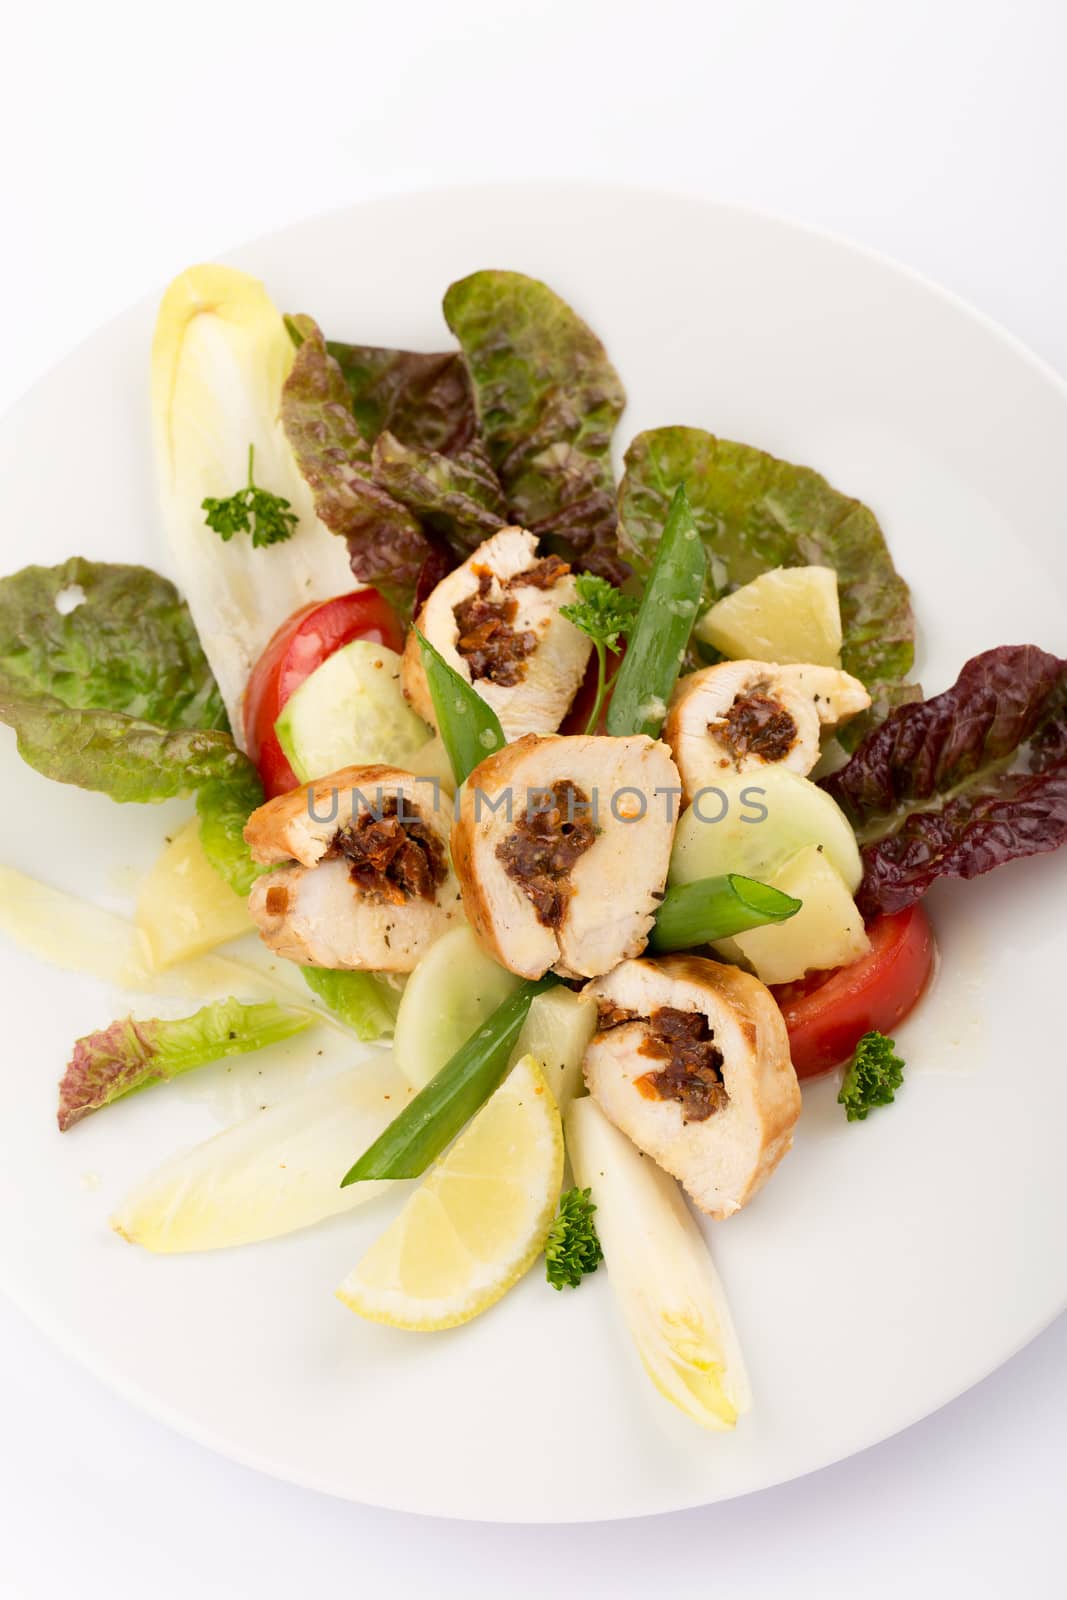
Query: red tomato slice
point(300, 645)
point(829, 1013)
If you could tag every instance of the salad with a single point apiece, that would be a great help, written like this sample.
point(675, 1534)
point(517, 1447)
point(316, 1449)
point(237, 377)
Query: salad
point(607, 809)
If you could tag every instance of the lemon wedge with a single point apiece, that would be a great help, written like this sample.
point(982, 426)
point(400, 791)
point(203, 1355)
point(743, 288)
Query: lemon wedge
point(476, 1223)
point(788, 615)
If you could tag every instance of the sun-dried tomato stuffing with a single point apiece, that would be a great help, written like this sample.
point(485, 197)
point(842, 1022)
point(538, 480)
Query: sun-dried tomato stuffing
point(610, 1015)
point(693, 1074)
point(389, 859)
point(543, 848)
point(756, 725)
point(544, 574)
point(488, 641)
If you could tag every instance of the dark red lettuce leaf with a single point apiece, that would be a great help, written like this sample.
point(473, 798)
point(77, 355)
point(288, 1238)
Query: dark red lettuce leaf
point(955, 786)
point(1048, 747)
point(515, 427)
point(387, 546)
point(413, 490)
point(425, 401)
point(458, 497)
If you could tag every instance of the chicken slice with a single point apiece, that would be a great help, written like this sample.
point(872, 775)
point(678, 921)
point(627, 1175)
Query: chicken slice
point(743, 715)
point(691, 1062)
point(496, 620)
point(836, 695)
point(367, 883)
point(562, 846)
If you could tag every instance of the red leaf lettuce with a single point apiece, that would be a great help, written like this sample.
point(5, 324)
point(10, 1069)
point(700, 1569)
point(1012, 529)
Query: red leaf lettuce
point(130, 1055)
point(955, 786)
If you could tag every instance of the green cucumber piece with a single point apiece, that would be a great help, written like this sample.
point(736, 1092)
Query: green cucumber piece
point(453, 990)
point(350, 712)
point(752, 823)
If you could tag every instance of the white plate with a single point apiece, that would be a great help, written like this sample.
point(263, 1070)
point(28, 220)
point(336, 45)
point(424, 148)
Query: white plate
point(890, 1264)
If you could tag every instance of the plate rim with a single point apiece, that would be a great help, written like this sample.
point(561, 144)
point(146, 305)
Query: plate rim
point(546, 186)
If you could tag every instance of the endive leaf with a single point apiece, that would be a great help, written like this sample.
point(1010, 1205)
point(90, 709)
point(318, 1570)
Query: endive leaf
point(270, 1174)
point(220, 356)
point(667, 1289)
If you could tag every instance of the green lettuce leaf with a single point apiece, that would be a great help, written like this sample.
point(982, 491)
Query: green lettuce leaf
point(91, 634)
point(103, 680)
point(130, 1055)
point(548, 400)
point(224, 805)
point(117, 755)
point(387, 547)
point(363, 1001)
point(755, 512)
point(131, 760)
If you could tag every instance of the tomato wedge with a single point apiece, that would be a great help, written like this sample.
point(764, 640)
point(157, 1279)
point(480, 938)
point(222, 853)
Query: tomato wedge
point(828, 1014)
point(300, 645)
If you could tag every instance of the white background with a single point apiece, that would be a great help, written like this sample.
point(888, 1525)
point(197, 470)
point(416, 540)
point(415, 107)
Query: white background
point(138, 140)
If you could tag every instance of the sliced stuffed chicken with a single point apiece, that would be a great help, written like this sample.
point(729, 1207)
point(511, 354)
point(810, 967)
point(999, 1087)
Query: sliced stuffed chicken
point(691, 1062)
point(364, 880)
point(743, 715)
point(562, 847)
point(496, 620)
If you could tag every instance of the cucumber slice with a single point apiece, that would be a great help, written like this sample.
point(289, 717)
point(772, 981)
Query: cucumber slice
point(795, 811)
point(350, 712)
point(827, 931)
point(453, 990)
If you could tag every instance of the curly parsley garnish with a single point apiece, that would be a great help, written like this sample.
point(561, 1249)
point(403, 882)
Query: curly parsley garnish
point(605, 615)
point(873, 1077)
point(572, 1248)
point(267, 517)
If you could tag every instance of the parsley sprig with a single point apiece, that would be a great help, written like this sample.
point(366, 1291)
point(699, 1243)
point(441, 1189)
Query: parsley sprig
point(267, 517)
point(874, 1075)
point(605, 615)
point(572, 1248)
